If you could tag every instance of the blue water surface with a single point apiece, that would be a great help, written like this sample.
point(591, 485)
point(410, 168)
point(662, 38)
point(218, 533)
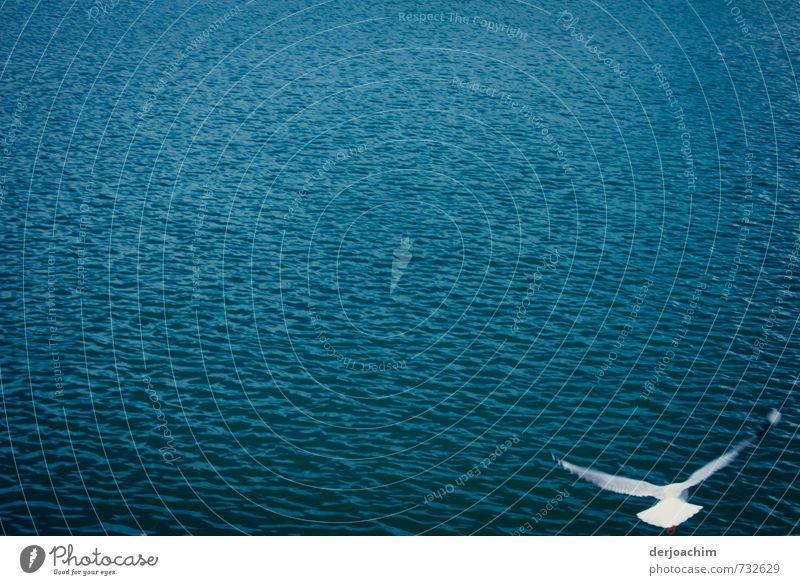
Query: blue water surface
point(360, 268)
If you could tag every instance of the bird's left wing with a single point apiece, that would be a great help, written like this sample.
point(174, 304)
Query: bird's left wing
point(614, 483)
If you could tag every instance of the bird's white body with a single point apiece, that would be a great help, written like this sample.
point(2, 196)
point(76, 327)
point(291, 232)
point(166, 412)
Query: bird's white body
point(668, 513)
point(673, 507)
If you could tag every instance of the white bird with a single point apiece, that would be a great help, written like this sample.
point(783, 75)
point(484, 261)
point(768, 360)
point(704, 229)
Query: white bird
point(672, 508)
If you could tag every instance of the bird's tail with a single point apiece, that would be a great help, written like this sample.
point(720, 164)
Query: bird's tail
point(670, 512)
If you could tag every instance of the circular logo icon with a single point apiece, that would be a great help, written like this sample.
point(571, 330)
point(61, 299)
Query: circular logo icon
point(31, 558)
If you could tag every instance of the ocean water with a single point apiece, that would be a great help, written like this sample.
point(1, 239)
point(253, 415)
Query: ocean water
point(335, 268)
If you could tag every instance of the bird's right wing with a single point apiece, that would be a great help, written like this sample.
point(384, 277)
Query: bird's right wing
point(712, 467)
point(614, 483)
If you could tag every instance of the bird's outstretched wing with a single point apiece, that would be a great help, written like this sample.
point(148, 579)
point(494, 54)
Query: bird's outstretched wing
point(614, 483)
point(712, 467)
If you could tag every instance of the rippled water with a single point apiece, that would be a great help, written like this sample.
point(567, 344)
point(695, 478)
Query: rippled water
point(331, 268)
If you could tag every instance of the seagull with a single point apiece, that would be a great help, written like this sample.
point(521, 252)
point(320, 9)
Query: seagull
point(672, 508)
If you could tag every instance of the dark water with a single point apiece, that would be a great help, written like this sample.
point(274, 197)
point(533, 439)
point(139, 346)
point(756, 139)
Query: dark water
point(283, 267)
